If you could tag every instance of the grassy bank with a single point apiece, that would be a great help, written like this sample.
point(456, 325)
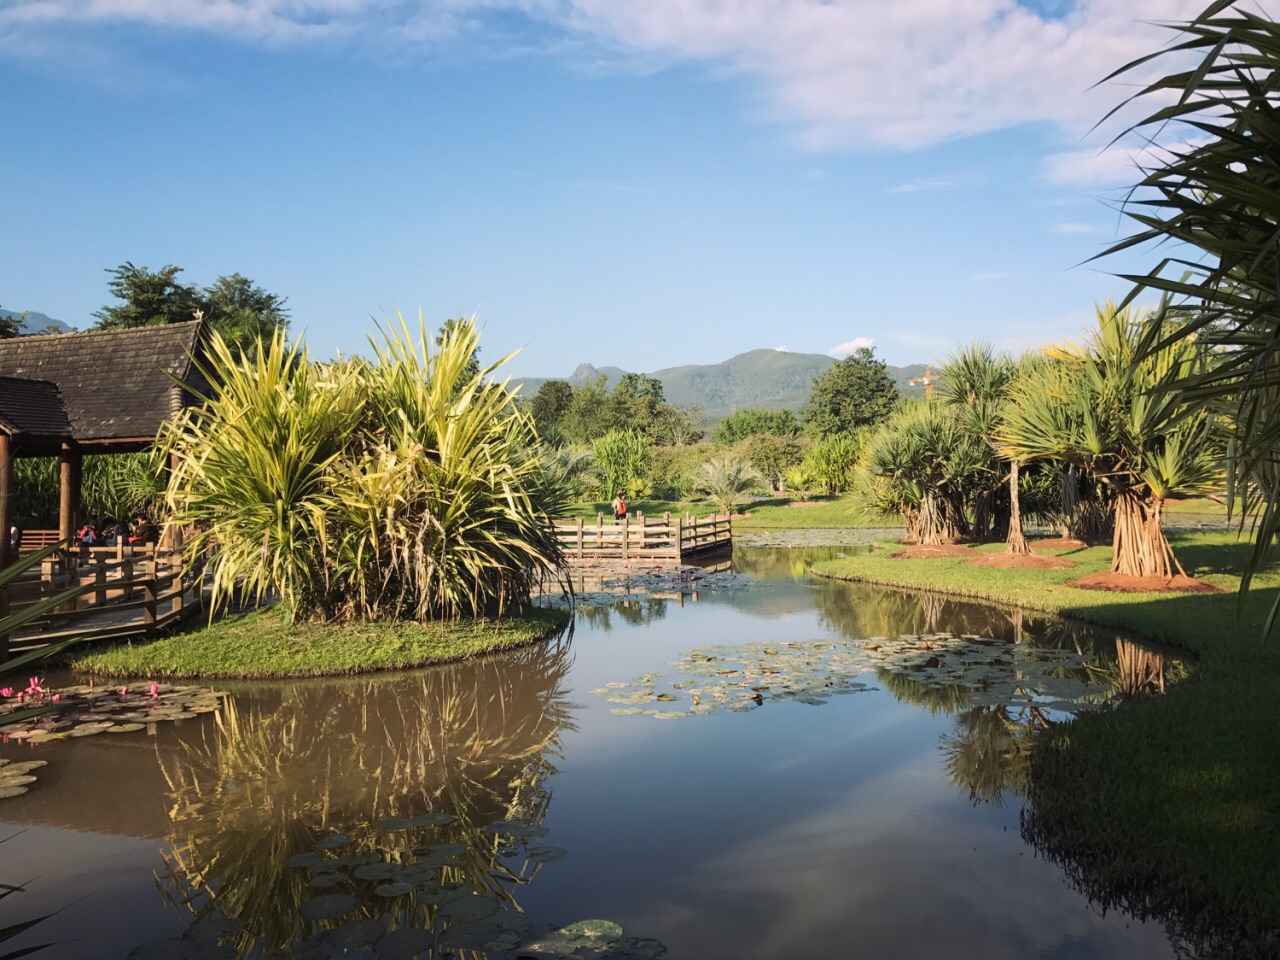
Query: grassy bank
point(1169, 806)
point(778, 513)
point(263, 645)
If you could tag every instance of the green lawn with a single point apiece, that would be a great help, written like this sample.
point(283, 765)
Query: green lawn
point(263, 645)
point(1169, 805)
point(772, 514)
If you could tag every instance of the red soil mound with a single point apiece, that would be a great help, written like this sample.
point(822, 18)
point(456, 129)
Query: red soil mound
point(930, 551)
point(1006, 561)
point(1120, 583)
point(1059, 543)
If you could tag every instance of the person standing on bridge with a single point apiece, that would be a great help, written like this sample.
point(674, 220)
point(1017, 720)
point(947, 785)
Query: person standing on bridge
point(620, 505)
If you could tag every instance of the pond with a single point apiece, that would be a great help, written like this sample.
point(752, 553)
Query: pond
point(734, 762)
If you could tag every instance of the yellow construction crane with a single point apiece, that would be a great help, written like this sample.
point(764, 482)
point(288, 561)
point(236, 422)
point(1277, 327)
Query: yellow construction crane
point(928, 380)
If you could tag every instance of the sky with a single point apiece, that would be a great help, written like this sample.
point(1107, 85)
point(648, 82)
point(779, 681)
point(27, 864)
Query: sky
point(636, 183)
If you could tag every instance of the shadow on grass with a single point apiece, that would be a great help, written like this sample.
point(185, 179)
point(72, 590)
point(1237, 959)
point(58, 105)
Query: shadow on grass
point(1169, 808)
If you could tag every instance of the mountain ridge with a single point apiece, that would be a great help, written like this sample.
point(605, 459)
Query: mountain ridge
point(769, 379)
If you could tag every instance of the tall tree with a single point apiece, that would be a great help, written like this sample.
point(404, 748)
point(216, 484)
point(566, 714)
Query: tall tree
point(1107, 408)
point(752, 421)
point(550, 403)
point(854, 392)
point(975, 381)
point(244, 313)
point(8, 328)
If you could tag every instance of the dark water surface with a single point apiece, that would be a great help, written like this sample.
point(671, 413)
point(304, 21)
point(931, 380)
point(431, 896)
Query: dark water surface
point(792, 793)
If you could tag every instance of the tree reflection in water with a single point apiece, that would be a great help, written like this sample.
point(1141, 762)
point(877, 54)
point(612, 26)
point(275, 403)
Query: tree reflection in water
point(456, 747)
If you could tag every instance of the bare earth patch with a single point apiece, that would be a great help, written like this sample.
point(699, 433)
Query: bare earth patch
point(805, 503)
point(931, 551)
point(1007, 561)
point(1120, 583)
point(1059, 543)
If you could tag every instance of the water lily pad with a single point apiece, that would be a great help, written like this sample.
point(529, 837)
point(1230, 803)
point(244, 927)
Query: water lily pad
point(354, 934)
point(334, 841)
point(393, 823)
point(468, 908)
point(397, 888)
point(325, 881)
point(7, 792)
point(593, 933)
point(23, 766)
point(328, 906)
point(472, 934)
point(432, 819)
point(404, 944)
point(376, 871)
point(546, 854)
point(16, 781)
point(124, 728)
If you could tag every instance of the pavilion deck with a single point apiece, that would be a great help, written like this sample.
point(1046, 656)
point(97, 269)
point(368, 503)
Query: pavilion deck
point(644, 538)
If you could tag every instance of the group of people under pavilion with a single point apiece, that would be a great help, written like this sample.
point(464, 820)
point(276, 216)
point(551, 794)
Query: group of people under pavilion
point(82, 394)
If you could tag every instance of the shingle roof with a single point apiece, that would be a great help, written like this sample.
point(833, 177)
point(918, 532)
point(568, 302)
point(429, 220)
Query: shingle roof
point(32, 408)
point(114, 384)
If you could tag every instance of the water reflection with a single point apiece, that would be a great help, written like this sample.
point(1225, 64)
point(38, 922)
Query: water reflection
point(405, 771)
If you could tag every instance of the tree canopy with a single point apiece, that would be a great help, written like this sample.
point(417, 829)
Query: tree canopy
point(854, 392)
point(754, 421)
point(242, 312)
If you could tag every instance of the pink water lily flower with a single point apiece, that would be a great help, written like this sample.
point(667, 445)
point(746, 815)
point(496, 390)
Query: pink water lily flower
point(57, 697)
point(123, 691)
point(155, 691)
point(36, 685)
point(6, 691)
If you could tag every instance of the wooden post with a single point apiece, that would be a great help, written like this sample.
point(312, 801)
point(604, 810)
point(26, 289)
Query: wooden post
point(100, 581)
point(640, 519)
point(70, 464)
point(6, 523)
point(179, 589)
point(626, 538)
point(579, 538)
point(149, 595)
point(599, 532)
point(679, 538)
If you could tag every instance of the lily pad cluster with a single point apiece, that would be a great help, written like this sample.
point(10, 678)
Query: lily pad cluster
point(402, 904)
point(659, 583)
point(14, 777)
point(984, 672)
point(89, 710)
point(998, 673)
point(742, 678)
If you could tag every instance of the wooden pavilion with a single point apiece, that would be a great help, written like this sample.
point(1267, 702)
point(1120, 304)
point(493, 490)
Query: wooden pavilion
point(106, 391)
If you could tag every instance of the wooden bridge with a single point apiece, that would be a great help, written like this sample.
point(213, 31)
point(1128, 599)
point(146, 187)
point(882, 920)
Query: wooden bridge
point(128, 590)
point(644, 538)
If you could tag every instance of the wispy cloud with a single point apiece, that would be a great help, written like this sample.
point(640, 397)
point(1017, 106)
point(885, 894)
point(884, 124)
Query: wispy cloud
point(1071, 227)
point(900, 74)
point(1115, 165)
point(780, 349)
point(842, 350)
point(916, 186)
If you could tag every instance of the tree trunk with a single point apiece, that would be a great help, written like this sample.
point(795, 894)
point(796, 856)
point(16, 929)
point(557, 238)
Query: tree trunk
point(938, 519)
point(1139, 547)
point(982, 515)
point(1016, 544)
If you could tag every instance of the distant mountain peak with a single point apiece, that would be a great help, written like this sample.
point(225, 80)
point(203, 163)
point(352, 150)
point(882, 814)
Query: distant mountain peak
point(34, 322)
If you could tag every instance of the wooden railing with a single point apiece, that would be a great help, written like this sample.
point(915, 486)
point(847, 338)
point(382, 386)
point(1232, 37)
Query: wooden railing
point(127, 589)
point(640, 537)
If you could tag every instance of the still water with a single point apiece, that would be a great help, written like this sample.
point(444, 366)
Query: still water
point(755, 764)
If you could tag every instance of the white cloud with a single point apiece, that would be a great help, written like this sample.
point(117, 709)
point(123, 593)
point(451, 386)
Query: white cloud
point(780, 349)
point(916, 186)
point(881, 73)
point(850, 346)
point(1115, 165)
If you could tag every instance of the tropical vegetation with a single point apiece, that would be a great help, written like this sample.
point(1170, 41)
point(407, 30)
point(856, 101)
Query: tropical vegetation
point(403, 486)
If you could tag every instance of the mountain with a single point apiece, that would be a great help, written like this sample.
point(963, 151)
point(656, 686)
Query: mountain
point(35, 322)
point(772, 379)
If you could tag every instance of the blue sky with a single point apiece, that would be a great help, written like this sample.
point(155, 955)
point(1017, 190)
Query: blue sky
point(642, 184)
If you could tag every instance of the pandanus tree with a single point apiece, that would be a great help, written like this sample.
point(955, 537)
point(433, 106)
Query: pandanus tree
point(1213, 204)
point(975, 381)
point(726, 482)
point(923, 465)
point(1106, 408)
point(408, 485)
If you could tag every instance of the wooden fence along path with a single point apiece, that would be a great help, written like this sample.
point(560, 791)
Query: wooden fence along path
point(644, 538)
point(128, 590)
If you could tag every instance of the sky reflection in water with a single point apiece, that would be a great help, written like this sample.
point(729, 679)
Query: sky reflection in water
point(882, 824)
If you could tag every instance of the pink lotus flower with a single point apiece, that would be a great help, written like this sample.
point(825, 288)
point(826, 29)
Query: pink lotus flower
point(6, 691)
point(57, 697)
point(155, 691)
point(36, 685)
point(123, 691)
